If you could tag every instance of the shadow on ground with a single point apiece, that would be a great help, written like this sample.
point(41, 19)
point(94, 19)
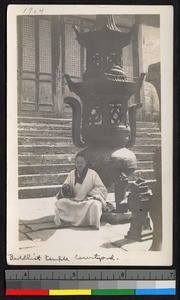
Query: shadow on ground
point(43, 228)
point(38, 229)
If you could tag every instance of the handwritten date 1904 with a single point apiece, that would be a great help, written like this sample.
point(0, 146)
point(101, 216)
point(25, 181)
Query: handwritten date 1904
point(33, 11)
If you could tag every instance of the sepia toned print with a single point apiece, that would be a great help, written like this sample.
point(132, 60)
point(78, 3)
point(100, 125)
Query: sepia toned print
point(89, 135)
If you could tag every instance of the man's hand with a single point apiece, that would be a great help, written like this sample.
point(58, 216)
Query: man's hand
point(66, 190)
point(99, 198)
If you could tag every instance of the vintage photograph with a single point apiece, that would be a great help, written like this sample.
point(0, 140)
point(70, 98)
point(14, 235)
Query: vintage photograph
point(89, 135)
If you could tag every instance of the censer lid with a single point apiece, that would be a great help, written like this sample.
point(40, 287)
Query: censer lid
point(104, 37)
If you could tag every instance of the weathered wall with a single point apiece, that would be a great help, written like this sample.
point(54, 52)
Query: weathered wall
point(149, 53)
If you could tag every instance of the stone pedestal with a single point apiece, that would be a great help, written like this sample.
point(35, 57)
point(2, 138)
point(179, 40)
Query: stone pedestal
point(139, 203)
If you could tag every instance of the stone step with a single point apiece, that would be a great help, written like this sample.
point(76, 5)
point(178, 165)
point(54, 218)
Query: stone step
point(59, 178)
point(41, 179)
point(148, 141)
point(39, 120)
point(64, 148)
point(41, 159)
point(33, 126)
point(68, 126)
point(46, 159)
point(147, 125)
point(63, 168)
point(143, 165)
point(144, 148)
point(45, 169)
point(148, 130)
point(65, 132)
point(48, 141)
point(38, 191)
point(144, 156)
point(46, 149)
point(46, 154)
point(52, 190)
point(53, 121)
point(57, 141)
point(146, 135)
point(144, 174)
point(44, 133)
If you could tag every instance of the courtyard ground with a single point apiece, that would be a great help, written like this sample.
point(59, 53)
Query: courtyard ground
point(39, 235)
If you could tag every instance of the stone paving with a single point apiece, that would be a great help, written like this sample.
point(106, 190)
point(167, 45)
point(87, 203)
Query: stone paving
point(37, 231)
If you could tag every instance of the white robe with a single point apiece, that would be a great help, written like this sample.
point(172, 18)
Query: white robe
point(79, 210)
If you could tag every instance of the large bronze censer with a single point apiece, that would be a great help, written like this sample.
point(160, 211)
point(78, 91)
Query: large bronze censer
point(103, 122)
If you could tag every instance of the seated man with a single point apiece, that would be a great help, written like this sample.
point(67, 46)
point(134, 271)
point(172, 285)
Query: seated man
point(82, 197)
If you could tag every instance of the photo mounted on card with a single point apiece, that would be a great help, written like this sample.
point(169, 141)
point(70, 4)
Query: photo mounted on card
point(89, 135)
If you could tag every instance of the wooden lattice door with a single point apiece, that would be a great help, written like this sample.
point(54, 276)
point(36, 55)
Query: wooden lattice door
point(35, 87)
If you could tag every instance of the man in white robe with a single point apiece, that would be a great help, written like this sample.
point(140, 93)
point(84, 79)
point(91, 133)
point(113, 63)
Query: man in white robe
point(84, 205)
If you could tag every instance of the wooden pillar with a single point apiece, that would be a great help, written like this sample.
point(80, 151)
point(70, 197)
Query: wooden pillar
point(136, 72)
point(57, 33)
point(141, 69)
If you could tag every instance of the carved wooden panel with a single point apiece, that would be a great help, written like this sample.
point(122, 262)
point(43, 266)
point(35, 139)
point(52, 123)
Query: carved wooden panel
point(45, 77)
point(28, 95)
point(28, 75)
point(45, 96)
point(28, 91)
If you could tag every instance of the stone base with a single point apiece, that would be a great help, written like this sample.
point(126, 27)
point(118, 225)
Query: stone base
point(144, 236)
point(115, 217)
point(140, 230)
point(132, 245)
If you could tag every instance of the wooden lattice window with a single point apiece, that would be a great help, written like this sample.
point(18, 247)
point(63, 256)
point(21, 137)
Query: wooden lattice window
point(72, 52)
point(28, 47)
point(45, 59)
point(75, 55)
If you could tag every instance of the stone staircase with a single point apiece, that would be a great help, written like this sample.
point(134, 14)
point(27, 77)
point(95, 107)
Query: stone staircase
point(46, 154)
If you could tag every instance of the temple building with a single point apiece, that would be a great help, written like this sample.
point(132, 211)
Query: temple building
point(48, 49)
point(92, 84)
